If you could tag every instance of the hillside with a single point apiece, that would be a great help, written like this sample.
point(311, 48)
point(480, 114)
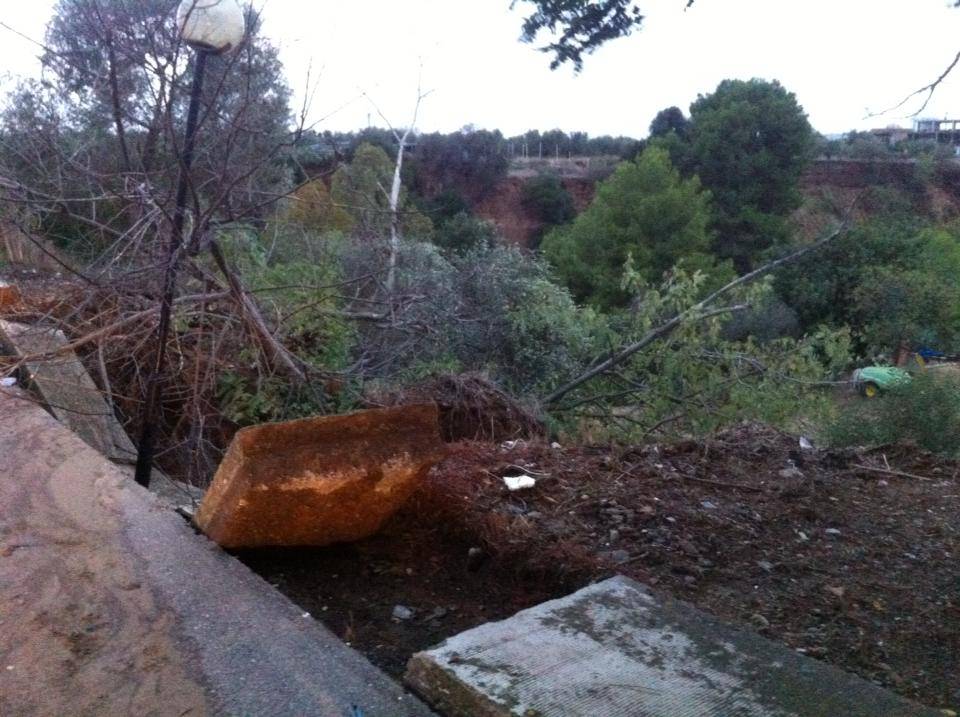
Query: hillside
point(829, 186)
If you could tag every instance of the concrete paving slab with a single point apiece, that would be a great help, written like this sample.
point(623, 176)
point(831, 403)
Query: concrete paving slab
point(617, 649)
point(66, 388)
point(110, 604)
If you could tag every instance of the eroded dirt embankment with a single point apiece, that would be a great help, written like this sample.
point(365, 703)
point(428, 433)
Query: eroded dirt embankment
point(829, 187)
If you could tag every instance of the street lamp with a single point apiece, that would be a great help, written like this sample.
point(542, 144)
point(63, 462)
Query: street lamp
point(211, 27)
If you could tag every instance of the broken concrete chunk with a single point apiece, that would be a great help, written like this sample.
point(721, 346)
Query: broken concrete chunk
point(618, 650)
point(9, 294)
point(66, 388)
point(319, 481)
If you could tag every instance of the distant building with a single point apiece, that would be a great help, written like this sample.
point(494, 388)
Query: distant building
point(943, 131)
point(892, 135)
point(928, 129)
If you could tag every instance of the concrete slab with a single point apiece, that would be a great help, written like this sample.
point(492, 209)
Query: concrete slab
point(616, 649)
point(67, 389)
point(322, 480)
point(111, 604)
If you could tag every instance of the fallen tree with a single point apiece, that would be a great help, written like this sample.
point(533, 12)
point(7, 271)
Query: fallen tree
point(701, 310)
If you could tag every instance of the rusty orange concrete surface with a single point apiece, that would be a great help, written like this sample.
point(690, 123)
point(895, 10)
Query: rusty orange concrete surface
point(9, 294)
point(321, 480)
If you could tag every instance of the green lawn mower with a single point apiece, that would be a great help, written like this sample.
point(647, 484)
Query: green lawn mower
point(871, 381)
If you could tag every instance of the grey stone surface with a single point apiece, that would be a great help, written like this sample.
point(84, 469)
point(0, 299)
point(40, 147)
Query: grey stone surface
point(111, 604)
point(616, 649)
point(66, 388)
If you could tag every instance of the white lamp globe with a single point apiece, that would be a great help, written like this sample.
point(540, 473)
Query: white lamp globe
point(211, 25)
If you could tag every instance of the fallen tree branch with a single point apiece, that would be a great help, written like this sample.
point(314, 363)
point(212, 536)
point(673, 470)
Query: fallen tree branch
point(697, 312)
point(660, 332)
point(888, 472)
point(109, 329)
point(251, 315)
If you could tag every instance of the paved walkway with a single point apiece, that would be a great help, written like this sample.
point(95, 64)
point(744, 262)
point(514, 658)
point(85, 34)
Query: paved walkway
point(111, 605)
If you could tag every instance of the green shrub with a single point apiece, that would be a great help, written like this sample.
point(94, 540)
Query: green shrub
point(248, 400)
point(463, 232)
point(645, 216)
point(925, 411)
point(299, 300)
point(548, 199)
point(491, 310)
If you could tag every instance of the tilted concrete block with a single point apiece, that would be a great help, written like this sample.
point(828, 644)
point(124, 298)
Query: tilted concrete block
point(318, 481)
point(65, 387)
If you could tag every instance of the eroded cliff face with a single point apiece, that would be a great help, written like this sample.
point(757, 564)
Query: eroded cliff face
point(504, 207)
point(828, 187)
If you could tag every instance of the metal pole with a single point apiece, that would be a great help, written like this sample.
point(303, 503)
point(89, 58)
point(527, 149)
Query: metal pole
point(151, 404)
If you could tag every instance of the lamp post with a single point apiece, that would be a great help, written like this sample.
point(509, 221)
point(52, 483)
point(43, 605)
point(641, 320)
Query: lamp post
point(211, 27)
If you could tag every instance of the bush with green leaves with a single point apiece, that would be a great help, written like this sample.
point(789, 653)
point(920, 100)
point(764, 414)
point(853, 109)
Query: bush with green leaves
point(645, 216)
point(695, 380)
point(360, 191)
point(295, 278)
point(463, 232)
point(545, 196)
point(891, 280)
point(925, 411)
point(491, 309)
point(916, 299)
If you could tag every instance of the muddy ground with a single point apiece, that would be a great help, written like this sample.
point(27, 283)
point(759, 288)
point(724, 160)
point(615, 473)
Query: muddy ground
point(849, 557)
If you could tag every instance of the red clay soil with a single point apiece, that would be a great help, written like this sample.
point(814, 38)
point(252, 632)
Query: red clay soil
point(518, 225)
point(854, 566)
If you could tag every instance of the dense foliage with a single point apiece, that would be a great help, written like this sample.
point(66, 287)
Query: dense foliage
point(699, 379)
point(893, 280)
point(925, 410)
point(645, 216)
point(360, 191)
point(748, 142)
point(548, 199)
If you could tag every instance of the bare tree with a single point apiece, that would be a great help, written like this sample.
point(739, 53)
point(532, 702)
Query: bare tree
point(89, 158)
point(394, 195)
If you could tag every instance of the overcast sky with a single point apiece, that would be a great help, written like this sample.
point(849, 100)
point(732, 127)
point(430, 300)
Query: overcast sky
point(842, 58)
